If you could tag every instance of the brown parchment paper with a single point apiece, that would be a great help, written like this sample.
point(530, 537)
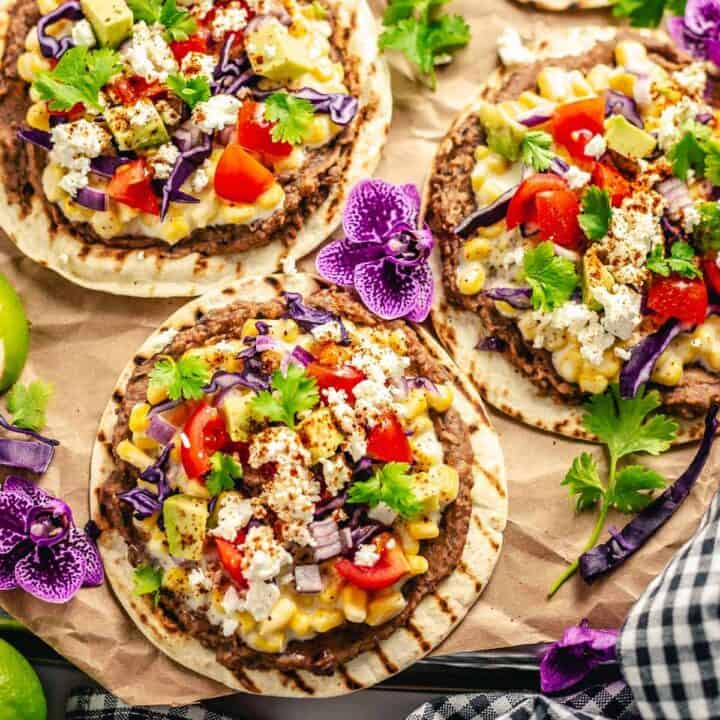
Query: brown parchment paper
point(81, 340)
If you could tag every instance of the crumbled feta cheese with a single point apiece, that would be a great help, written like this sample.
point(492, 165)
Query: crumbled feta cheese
point(622, 353)
point(263, 557)
point(215, 114)
point(261, 598)
point(342, 411)
point(232, 602)
point(327, 332)
point(141, 113)
point(377, 361)
point(576, 178)
point(372, 401)
point(73, 146)
point(75, 180)
point(511, 49)
point(229, 626)
point(596, 146)
point(234, 514)
point(691, 218)
point(228, 18)
point(383, 513)
point(199, 580)
point(621, 310)
point(163, 160)
point(366, 556)
point(336, 473)
point(199, 179)
point(673, 120)
point(148, 54)
point(195, 63)
point(692, 78)
point(82, 34)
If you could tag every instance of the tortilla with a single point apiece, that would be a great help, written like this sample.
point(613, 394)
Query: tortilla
point(432, 619)
point(561, 5)
point(159, 272)
point(460, 328)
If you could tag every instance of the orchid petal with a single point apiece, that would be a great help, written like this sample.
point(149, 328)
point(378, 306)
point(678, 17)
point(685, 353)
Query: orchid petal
point(8, 563)
point(413, 195)
point(703, 16)
point(337, 261)
point(374, 209)
point(51, 574)
point(23, 486)
point(94, 571)
point(423, 277)
point(13, 511)
point(712, 48)
point(388, 292)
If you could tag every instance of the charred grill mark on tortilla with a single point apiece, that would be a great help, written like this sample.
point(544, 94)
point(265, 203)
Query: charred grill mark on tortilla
point(347, 678)
point(425, 646)
point(389, 666)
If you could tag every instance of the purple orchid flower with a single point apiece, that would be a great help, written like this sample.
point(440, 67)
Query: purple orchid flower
point(384, 255)
point(570, 660)
point(698, 32)
point(41, 550)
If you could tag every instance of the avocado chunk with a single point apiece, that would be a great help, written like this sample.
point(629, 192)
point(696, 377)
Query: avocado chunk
point(595, 274)
point(237, 410)
point(504, 135)
point(319, 434)
point(225, 499)
point(185, 525)
point(278, 55)
point(112, 20)
point(626, 139)
point(137, 126)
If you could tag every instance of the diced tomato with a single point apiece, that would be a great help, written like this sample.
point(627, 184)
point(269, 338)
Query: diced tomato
point(341, 378)
point(74, 113)
point(231, 558)
point(387, 441)
point(255, 134)
point(131, 185)
point(239, 177)
point(557, 218)
point(711, 273)
point(676, 297)
point(574, 124)
point(391, 566)
point(608, 178)
point(196, 43)
point(522, 207)
point(206, 434)
point(131, 89)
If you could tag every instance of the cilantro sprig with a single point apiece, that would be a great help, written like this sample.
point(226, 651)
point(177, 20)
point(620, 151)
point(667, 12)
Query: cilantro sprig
point(147, 581)
point(698, 151)
point(391, 485)
point(292, 117)
point(681, 261)
point(28, 403)
point(77, 78)
point(707, 231)
point(423, 33)
point(535, 150)
point(183, 379)
point(292, 393)
point(179, 24)
point(625, 426)
point(597, 213)
point(647, 13)
point(552, 279)
point(191, 90)
point(225, 470)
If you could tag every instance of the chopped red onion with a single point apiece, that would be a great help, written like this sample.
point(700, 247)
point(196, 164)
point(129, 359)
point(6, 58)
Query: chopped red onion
point(641, 91)
point(161, 430)
point(617, 103)
point(41, 138)
point(91, 198)
point(308, 579)
point(676, 192)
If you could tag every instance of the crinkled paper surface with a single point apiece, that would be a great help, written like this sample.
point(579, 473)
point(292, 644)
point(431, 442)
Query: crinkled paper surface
point(81, 340)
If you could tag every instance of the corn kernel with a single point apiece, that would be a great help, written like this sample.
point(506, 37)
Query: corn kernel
point(447, 480)
point(32, 44)
point(332, 585)
point(409, 544)
point(568, 363)
point(592, 381)
point(579, 86)
point(423, 529)
point(493, 231)
point(497, 164)
point(398, 342)
point(280, 616)
point(139, 420)
point(156, 394)
point(293, 161)
point(471, 279)
point(46, 6)
point(623, 82)
point(477, 180)
point(384, 608)
point(421, 425)
point(599, 77)
point(529, 99)
point(442, 399)
point(325, 620)
point(105, 224)
point(237, 214)
point(287, 330)
point(74, 211)
point(668, 370)
point(354, 603)
point(477, 249)
point(174, 229)
point(144, 442)
point(630, 53)
point(133, 455)
point(490, 192)
point(37, 116)
point(246, 622)
point(610, 365)
point(418, 565)
point(553, 83)
point(300, 624)
point(554, 339)
point(176, 580)
point(249, 328)
point(271, 198)
point(511, 108)
point(274, 643)
point(319, 131)
point(415, 404)
point(481, 152)
point(507, 310)
point(30, 64)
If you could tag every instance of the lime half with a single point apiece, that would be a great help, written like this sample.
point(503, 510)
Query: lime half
point(14, 335)
point(21, 694)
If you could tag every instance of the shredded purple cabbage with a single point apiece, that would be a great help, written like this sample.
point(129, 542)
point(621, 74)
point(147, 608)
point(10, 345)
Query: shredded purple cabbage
point(195, 148)
point(515, 297)
point(91, 198)
point(41, 138)
point(617, 103)
point(156, 474)
point(106, 165)
point(143, 502)
point(26, 455)
point(25, 431)
point(308, 317)
point(341, 108)
point(54, 47)
point(609, 555)
point(486, 216)
point(232, 74)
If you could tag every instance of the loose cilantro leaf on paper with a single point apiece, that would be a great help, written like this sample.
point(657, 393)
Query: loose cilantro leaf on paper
point(535, 150)
point(596, 214)
point(707, 231)
point(626, 426)
point(292, 393)
point(292, 117)
point(690, 152)
point(183, 379)
point(225, 470)
point(179, 24)
point(391, 485)
point(681, 260)
point(423, 33)
point(77, 78)
point(191, 90)
point(147, 581)
point(28, 404)
point(552, 278)
point(647, 13)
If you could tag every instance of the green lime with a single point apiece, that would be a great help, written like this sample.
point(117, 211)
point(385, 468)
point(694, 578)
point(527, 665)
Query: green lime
point(14, 335)
point(21, 694)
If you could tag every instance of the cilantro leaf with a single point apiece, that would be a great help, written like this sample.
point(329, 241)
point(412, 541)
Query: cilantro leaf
point(224, 471)
point(583, 481)
point(624, 425)
point(292, 117)
point(425, 35)
point(689, 152)
point(292, 393)
point(681, 261)
point(179, 24)
point(632, 487)
point(535, 150)
point(712, 162)
point(191, 90)
point(147, 581)
point(28, 403)
point(77, 78)
point(642, 13)
point(707, 231)
point(596, 214)
point(147, 11)
point(391, 485)
point(182, 379)
point(552, 278)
